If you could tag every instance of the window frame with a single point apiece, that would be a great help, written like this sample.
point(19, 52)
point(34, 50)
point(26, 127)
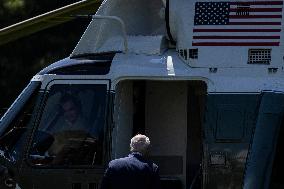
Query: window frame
point(45, 89)
point(16, 110)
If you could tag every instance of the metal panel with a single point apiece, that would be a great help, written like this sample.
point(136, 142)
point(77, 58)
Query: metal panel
point(260, 160)
point(169, 165)
point(230, 123)
point(228, 126)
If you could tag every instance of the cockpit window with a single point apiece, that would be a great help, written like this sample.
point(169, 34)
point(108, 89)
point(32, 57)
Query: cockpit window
point(14, 124)
point(71, 129)
point(27, 95)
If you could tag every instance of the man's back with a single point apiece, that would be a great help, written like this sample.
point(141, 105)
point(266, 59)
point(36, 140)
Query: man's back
point(132, 172)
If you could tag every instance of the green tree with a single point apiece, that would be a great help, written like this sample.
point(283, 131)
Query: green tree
point(23, 58)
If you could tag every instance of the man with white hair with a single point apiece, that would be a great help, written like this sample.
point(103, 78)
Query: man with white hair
point(133, 171)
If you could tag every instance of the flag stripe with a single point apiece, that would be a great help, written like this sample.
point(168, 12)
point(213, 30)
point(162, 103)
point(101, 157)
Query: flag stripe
point(235, 40)
point(257, 9)
point(255, 23)
point(236, 30)
point(236, 44)
point(254, 16)
point(258, 3)
point(257, 6)
point(239, 27)
point(236, 37)
point(258, 13)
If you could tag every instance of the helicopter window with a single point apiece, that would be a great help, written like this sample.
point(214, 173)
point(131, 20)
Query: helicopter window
point(193, 53)
point(96, 68)
point(19, 116)
point(188, 53)
point(71, 129)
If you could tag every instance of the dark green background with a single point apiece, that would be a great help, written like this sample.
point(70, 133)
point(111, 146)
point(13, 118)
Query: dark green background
point(23, 58)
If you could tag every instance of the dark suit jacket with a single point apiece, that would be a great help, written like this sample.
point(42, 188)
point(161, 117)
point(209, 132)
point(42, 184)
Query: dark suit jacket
point(132, 172)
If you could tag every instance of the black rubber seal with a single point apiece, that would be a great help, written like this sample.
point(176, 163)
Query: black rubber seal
point(168, 23)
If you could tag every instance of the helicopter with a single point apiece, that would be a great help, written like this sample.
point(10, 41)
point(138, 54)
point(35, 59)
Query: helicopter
point(203, 79)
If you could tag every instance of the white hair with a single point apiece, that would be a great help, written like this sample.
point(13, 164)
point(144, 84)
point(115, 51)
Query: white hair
point(140, 143)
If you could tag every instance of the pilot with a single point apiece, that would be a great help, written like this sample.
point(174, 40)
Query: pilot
point(71, 115)
point(71, 140)
point(70, 131)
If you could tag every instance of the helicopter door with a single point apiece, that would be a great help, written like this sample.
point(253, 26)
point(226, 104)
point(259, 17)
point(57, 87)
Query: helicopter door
point(68, 147)
point(228, 127)
point(263, 167)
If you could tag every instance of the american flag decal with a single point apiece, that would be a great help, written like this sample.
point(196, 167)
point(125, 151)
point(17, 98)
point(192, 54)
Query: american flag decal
point(246, 23)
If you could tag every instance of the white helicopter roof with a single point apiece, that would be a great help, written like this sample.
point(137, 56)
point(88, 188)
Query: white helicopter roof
point(207, 33)
point(140, 23)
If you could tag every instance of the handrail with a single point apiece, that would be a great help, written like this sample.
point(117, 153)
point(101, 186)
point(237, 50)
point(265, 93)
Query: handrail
point(122, 25)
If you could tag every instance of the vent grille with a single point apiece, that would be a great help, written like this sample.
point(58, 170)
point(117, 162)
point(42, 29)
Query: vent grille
point(259, 56)
point(187, 54)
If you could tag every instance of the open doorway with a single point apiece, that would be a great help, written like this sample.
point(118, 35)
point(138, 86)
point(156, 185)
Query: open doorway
point(171, 114)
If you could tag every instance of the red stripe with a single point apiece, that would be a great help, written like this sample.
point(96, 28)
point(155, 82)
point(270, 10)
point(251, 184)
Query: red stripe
point(257, 9)
point(258, 3)
point(255, 23)
point(236, 44)
point(254, 16)
point(236, 37)
point(236, 30)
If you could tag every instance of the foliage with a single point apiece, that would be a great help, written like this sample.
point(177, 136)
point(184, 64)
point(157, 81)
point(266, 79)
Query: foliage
point(23, 58)
point(14, 5)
